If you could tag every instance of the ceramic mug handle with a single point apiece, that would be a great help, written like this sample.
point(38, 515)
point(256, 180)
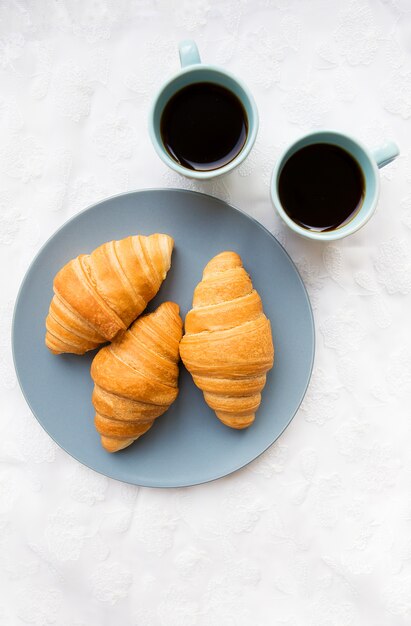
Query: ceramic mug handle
point(386, 153)
point(189, 54)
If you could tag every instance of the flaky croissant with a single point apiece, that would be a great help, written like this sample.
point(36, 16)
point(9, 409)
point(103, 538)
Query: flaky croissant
point(98, 295)
point(136, 377)
point(227, 346)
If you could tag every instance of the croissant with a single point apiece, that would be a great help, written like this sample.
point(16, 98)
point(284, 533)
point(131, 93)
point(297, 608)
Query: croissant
point(136, 377)
point(227, 346)
point(98, 295)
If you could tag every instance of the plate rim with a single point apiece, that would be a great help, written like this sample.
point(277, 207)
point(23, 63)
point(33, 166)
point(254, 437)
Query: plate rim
point(234, 208)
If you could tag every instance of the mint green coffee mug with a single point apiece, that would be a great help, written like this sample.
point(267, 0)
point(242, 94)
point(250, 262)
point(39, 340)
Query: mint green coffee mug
point(368, 162)
point(193, 71)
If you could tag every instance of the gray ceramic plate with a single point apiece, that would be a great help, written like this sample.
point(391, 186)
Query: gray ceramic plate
point(188, 445)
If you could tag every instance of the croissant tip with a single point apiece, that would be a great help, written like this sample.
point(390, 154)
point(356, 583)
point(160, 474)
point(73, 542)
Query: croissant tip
point(171, 307)
point(227, 254)
point(174, 306)
point(115, 445)
point(227, 259)
point(238, 423)
point(167, 238)
point(51, 349)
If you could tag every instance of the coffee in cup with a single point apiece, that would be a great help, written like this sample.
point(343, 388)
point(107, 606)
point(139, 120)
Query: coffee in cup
point(204, 126)
point(325, 185)
point(321, 187)
point(203, 122)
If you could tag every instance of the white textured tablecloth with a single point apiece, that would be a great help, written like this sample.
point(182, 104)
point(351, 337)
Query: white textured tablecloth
point(317, 532)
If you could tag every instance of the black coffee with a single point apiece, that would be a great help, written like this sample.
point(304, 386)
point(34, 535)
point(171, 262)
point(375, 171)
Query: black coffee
point(204, 126)
point(321, 187)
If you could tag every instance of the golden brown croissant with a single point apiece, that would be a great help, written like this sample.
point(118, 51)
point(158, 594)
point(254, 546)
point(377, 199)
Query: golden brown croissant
point(227, 346)
point(136, 377)
point(98, 295)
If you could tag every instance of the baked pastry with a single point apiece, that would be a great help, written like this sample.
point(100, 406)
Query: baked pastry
point(136, 377)
point(227, 346)
point(98, 295)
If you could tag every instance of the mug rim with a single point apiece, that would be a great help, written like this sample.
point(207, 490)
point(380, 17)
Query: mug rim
point(337, 233)
point(245, 150)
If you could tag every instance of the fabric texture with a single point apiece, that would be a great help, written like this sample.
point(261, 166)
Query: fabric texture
point(316, 532)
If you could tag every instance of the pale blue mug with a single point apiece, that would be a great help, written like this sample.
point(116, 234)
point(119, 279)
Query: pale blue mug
point(369, 163)
point(193, 71)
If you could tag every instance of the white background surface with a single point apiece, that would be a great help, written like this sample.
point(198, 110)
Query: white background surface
point(317, 531)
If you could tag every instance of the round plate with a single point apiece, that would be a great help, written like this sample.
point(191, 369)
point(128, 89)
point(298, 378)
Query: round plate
point(188, 445)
